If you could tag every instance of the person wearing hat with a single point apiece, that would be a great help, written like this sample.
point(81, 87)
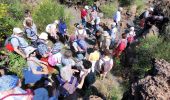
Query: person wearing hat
point(51, 29)
point(80, 32)
point(107, 40)
point(148, 13)
point(42, 45)
point(10, 89)
point(84, 14)
point(18, 42)
point(67, 59)
point(37, 67)
point(117, 16)
point(131, 35)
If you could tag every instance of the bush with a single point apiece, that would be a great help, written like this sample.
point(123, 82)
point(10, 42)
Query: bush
point(11, 14)
point(151, 47)
point(48, 11)
point(109, 9)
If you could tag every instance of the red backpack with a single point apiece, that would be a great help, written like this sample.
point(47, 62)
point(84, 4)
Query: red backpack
point(8, 44)
point(122, 45)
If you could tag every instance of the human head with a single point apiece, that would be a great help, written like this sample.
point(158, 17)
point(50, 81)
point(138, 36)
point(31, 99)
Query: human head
point(30, 51)
point(86, 7)
point(87, 64)
point(8, 82)
point(27, 13)
point(106, 52)
point(29, 22)
point(120, 9)
point(43, 36)
point(151, 9)
point(132, 28)
point(124, 36)
point(56, 22)
point(68, 54)
point(17, 31)
point(80, 26)
point(113, 24)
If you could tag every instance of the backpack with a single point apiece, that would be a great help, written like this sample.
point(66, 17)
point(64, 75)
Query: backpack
point(82, 44)
point(8, 44)
point(105, 67)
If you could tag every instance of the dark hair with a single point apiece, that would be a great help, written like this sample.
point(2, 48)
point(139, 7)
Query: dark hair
point(31, 53)
point(106, 52)
point(124, 35)
point(87, 64)
point(68, 53)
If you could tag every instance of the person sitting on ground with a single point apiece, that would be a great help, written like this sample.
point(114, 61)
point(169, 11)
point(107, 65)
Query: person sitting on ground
point(18, 42)
point(51, 29)
point(120, 46)
point(42, 47)
point(38, 67)
point(80, 32)
point(55, 58)
point(67, 59)
point(28, 16)
point(10, 89)
point(105, 63)
point(30, 31)
point(94, 57)
point(131, 35)
point(62, 28)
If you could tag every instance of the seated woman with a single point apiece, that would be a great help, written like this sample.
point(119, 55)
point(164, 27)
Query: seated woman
point(36, 67)
point(10, 89)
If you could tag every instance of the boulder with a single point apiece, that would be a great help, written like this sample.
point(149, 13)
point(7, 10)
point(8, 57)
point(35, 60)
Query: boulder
point(155, 86)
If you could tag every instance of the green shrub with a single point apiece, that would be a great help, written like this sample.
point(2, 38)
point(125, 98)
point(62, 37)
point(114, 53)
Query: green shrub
point(151, 47)
point(109, 9)
point(11, 14)
point(16, 64)
point(126, 2)
point(140, 5)
point(48, 11)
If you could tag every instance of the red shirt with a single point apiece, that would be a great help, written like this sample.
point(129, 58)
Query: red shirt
point(83, 13)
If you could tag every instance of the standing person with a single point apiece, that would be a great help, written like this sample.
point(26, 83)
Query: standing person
point(113, 33)
point(117, 17)
point(62, 28)
point(30, 31)
point(105, 63)
point(10, 89)
point(107, 40)
point(84, 14)
point(99, 38)
point(19, 44)
point(37, 67)
point(131, 35)
point(120, 46)
point(94, 57)
point(51, 29)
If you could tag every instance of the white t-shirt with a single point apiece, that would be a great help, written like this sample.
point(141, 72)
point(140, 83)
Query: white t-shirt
point(106, 59)
point(117, 16)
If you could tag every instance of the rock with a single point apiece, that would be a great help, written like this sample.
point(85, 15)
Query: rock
point(155, 86)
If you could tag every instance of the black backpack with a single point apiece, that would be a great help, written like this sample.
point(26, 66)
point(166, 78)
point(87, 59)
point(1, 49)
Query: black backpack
point(142, 15)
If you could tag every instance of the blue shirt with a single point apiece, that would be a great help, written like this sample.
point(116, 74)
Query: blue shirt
point(62, 28)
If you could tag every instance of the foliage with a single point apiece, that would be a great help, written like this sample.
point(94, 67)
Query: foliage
point(48, 11)
point(126, 2)
point(140, 5)
point(11, 14)
point(109, 9)
point(16, 64)
point(151, 47)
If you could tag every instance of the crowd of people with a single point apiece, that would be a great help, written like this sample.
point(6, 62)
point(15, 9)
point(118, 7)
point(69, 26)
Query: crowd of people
point(77, 66)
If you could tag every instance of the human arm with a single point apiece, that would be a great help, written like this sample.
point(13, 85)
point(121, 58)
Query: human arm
point(80, 85)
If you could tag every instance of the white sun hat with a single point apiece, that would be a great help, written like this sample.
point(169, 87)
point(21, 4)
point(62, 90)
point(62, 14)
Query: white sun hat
point(86, 7)
point(29, 50)
point(132, 28)
point(17, 30)
point(56, 21)
point(43, 35)
point(151, 8)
